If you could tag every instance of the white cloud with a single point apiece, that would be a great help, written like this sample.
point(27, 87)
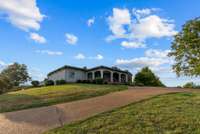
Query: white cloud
point(152, 27)
point(141, 62)
point(90, 21)
point(49, 52)
point(80, 56)
point(143, 12)
point(37, 38)
point(71, 39)
point(23, 14)
point(36, 74)
point(136, 28)
point(118, 20)
point(97, 57)
point(157, 53)
point(2, 63)
point(153, 58)
point(130, 44)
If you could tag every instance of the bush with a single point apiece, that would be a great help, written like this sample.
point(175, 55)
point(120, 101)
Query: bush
point(147, 78)
point(140, 84)
point(35, 83)
point(86, 81)
point(99, 81)
point(132, 84)
point(60, 82)
point(189, 85)
point(79, 81)
point(49, 83)
point(105, 82)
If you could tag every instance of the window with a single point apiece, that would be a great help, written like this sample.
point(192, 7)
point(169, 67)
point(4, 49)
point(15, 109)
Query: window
point(72, 75)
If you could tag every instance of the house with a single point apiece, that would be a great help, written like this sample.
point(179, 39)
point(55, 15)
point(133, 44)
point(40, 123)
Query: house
point(73, 74)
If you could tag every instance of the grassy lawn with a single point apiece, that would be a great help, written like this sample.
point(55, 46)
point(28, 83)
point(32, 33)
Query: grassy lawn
point(44, 96)
point(167, 114)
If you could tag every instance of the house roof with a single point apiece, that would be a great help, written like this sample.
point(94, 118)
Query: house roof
point(65, 67)
point(110, 68)
point(91, 69)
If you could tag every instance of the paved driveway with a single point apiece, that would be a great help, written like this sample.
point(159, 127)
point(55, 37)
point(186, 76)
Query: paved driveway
point(39, 120)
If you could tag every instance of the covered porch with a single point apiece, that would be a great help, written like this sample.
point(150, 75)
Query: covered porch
point(108, 76)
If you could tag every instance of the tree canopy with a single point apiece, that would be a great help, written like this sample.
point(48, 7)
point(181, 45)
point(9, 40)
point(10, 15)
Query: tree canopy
point(16, 73)
point(147, 78)
point(13, 75)
point(186, 49)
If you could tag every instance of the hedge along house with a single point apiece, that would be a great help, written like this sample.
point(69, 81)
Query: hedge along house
point(73, 74)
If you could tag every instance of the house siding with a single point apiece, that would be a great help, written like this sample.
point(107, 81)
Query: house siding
point(78, 75)
point(66, 74)
point(60, 75)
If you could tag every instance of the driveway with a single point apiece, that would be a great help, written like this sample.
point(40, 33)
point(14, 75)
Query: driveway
point(39, 120)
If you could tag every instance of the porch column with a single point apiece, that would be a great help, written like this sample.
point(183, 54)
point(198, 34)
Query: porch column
point(101, 71)
point(126, 77)
point(111, 77)
point(93, 75)
point(120, 78)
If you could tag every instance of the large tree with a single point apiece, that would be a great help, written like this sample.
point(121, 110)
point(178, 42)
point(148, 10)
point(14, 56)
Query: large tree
point(147, 78)
point(186, 49)
point(5, 84)
point(16, 73)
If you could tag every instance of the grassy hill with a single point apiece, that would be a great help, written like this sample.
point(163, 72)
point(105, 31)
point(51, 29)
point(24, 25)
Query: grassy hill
point(43, 96)
point(166, 114)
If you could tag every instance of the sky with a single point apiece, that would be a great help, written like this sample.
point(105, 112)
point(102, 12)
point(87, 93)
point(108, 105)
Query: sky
point(129, 34)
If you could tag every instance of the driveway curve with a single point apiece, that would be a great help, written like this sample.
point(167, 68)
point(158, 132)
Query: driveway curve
point(39, 120)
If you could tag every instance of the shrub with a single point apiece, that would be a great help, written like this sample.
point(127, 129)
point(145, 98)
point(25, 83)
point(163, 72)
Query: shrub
point(60, 82)
point(147, 78)
point(99, 81)
point(85, 81)
point(93, 81)
point(140, 84)
point(189, 85)
point(35, 83)
point(79, 81)
point(105, 82)
point(49, 82)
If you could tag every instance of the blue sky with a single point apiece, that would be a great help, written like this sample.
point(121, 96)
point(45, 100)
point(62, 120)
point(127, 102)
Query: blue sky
point(130, 34)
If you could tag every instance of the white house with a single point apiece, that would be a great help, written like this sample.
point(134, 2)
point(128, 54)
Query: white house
point(73, 74)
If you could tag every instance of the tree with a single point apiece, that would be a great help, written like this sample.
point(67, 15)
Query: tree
point(49, 82)
point(147, 78)
point(5, 84)
point(35, 83)
point(186, 49)
point(189, 85)
point(16, 73)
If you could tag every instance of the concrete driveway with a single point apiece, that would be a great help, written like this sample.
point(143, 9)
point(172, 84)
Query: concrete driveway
point(39, 120)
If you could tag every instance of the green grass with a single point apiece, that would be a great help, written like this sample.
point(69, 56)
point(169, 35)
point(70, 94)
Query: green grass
point(44, 96)
point(166, 114)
